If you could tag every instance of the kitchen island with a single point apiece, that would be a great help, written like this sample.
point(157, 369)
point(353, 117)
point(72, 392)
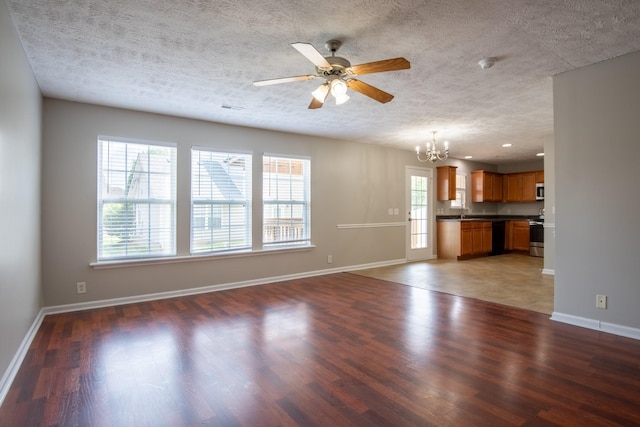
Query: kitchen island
point(472, 237)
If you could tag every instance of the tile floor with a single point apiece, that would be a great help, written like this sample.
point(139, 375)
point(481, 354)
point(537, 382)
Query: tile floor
point(511, 279)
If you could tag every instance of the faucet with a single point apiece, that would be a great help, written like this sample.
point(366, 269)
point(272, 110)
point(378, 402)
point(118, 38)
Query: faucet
point(462, 212)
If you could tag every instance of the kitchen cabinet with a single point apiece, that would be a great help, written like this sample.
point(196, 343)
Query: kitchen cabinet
point(466, 240)
point(520, 187)
point(487, 237)
point(463, 239)
point(489, 186)
point(520, 235)
point(513, 187)
point(446, 182)
point(529, 187)
point(486, 186)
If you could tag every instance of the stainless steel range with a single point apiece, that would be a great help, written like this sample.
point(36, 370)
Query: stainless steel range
point(536, 238)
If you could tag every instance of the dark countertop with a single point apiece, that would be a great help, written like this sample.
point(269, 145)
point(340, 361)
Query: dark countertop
point(492, 218)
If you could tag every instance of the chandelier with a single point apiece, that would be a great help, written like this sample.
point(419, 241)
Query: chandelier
point(432, 153)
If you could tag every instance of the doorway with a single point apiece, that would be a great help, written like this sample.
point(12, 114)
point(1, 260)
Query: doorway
point(419, 202)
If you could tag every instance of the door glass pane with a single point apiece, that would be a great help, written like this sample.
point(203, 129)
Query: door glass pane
point(419, 210)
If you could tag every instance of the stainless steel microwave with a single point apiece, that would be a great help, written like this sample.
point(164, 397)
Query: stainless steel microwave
point(540, 191)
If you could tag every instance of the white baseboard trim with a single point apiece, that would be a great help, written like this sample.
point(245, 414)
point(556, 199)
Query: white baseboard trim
point(18, 358)
point(549, 271)
point(67, 308)
point(598, 325)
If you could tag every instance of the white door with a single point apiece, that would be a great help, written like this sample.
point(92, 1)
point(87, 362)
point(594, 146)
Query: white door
point(419, 200)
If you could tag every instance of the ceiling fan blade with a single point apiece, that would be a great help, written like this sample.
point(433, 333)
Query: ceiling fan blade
point(381, 66)
point(283, 80)
point(315, 104)
point(370, 91)
point(312, 54)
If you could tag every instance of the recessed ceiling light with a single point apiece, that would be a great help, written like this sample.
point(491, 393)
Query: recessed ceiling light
point(540, 154)
point(506, 145)
point(468, 157)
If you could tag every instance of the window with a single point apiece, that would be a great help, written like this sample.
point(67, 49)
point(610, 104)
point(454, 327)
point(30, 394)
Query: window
point(286, 199)
point(461, 190)
point(220, 201)
point(136, 199)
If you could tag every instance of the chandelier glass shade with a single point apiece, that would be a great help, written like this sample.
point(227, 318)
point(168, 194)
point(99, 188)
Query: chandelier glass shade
point(432, 153)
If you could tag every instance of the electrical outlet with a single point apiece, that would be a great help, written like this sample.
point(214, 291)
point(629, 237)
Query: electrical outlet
point(329, 259)
point(81, 287)
point(601, 301)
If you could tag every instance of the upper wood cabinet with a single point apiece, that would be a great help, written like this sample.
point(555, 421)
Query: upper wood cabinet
point(539, 177)
point(513, 187)
point(521, 187)
point(486, 186)
point(446, 182)
point(529, 187)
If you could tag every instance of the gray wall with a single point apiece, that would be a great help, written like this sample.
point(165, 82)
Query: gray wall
point(351, 184)
point(597, 148)
point(20, 105)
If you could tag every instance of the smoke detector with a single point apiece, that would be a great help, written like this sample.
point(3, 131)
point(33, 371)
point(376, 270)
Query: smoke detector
point(486, 63)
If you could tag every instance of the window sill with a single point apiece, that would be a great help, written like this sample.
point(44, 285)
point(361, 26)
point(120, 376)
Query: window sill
point(194, 258)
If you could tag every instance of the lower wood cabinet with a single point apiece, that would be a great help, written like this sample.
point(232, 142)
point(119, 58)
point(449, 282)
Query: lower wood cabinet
point(521, 235)
point(463, 239)
point(517, 236)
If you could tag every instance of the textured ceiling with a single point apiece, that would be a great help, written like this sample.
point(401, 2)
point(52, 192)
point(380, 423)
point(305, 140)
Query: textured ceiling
point(197, 58)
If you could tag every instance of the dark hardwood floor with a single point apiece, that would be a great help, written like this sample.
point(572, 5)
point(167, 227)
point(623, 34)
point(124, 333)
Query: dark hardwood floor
point(335, 350)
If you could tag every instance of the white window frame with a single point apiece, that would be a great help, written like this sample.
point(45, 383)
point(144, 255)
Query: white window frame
point(461, 192)
point(140, 182)
point(230, 195)
point(282, 227)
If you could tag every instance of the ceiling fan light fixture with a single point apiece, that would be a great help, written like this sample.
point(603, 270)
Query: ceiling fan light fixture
point(339, 90)
point(341, 98)
point(321, 92)
point(338, 87)
point(337, 74)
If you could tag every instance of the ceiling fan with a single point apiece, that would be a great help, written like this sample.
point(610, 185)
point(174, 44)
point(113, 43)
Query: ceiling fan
point(339, 75)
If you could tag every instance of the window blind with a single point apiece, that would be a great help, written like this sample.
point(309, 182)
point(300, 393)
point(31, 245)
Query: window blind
point(220, 201)
point(136, 199)
point(286, 200)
